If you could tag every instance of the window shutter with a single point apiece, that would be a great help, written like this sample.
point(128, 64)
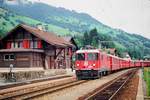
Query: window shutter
point(24, 43)
point(39, 44)
point(28, 43)
point(8, 45)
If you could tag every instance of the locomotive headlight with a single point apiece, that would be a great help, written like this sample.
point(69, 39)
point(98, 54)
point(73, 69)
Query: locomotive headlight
point(93, 64)
point(77, 64)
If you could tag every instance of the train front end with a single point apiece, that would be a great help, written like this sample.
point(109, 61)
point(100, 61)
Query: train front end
point(87, 64)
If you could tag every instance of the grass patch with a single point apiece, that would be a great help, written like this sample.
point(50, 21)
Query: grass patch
point(147, 80)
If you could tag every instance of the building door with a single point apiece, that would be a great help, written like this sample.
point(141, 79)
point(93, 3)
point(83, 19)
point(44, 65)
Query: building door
point(51, 62)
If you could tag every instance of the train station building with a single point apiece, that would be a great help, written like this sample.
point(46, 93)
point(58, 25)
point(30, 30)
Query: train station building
point(34, 49)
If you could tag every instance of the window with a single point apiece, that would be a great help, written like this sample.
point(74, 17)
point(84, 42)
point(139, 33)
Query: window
point(27, 36)
point(6, 57)
point(39, 44)
point(92, 56)
point(19, 36)
point(12, 44)
point(35, 44)
point(80, 56)
point(16, 45)
point(9, 57)
point(20, 44)
point(31, 44)
point(26, 43)
point(8, 45)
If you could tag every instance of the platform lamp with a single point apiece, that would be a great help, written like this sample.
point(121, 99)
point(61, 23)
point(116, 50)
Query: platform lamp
point(11, 66)
point(11, 78)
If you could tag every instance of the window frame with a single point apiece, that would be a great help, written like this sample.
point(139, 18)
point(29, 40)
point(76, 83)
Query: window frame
point(5, 57)
point(80, 54)
point(9, 57)
point(94, 56)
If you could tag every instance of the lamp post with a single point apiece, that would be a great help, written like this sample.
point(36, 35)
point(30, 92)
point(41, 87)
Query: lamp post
point(11, 77)
point(11, 67)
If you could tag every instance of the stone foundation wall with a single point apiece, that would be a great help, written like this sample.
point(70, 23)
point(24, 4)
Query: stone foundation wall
point(52, 72)
point(22, 76)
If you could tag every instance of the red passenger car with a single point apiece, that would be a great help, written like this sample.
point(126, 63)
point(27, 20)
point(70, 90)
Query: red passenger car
point(94, 63)
point(145, 63)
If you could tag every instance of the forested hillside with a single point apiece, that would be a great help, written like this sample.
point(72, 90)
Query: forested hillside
point(9, 20)
point(66, 22)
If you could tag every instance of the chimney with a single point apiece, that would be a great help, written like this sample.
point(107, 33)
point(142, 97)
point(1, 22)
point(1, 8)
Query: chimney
point(40, 27)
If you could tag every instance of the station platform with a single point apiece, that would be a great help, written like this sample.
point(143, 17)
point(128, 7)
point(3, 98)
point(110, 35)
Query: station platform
point(24, 74)
point(140, 94)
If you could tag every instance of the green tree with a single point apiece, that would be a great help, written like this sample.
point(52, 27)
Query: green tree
point(86, 39)
point(94, 37)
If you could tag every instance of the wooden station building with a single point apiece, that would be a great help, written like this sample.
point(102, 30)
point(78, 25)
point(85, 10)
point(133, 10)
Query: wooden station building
point(29, 47)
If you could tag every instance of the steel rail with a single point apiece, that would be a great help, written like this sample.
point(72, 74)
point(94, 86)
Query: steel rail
point(107, 86)
point(16, 84)
point(37, 91)
point(49, 90)
point(121, 86)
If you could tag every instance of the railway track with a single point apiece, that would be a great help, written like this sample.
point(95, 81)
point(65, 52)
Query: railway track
point(35, 91)
point(31, 81)
point(111, 89)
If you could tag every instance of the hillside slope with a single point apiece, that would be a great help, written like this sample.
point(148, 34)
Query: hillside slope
point(63, 21)
point(9, 20)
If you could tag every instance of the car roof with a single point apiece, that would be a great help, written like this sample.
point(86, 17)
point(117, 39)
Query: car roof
point(88, 51)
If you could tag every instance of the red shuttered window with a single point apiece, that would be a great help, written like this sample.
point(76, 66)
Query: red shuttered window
point(26, 44)
point(8, 46)
point(39, 44)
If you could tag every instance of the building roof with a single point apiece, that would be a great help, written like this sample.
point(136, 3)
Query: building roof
point(49, 37)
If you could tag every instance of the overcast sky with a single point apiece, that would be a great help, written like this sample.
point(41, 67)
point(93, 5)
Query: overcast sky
point(130, 15)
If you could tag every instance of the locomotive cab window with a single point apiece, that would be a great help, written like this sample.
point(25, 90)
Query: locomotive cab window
point(92, 56)
point(80, 56)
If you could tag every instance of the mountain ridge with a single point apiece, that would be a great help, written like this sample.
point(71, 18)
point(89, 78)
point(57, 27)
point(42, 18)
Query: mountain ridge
point(72, 23)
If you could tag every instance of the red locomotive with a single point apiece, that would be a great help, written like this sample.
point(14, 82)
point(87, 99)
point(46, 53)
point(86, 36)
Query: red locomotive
point(92, 63)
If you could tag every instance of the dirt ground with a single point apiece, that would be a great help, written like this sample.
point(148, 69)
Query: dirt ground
point(129, 92)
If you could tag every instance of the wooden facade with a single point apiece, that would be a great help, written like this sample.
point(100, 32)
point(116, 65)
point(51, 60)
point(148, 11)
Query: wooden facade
point(25, 46)
point(21, 59)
